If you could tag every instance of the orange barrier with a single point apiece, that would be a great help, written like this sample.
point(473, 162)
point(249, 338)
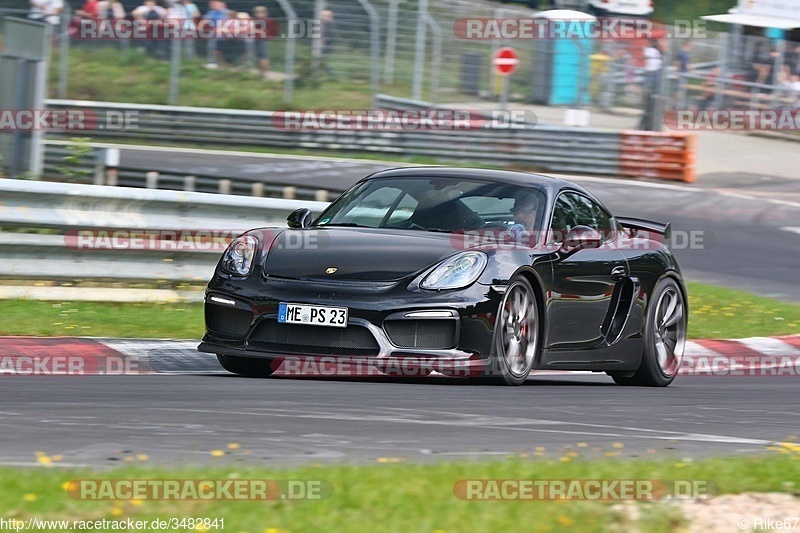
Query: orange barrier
point(652, 154)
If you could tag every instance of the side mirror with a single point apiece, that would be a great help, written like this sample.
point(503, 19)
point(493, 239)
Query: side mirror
point(581, 237)
point(299, 219)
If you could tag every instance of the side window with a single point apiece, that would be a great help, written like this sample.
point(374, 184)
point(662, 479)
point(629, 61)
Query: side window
point(572, 210)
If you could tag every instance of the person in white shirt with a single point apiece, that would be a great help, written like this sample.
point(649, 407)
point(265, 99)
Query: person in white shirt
point(46, 11)
point(110, 10)
point(145, 11)
point(652, 63)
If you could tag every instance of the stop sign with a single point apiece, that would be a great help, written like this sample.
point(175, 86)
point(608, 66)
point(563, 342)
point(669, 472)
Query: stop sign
point(505, 61)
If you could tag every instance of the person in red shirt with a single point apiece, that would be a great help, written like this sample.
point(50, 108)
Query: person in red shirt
point(90, 10)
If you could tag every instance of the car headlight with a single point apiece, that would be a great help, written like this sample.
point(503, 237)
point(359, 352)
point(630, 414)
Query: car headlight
point(456, 272)
point(238, 258)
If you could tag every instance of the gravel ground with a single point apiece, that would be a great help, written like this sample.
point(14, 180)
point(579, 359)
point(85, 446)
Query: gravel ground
point(749, 511)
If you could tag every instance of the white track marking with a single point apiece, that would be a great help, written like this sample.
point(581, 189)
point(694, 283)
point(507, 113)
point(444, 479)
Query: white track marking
point(792, 229)
point(769, 346)
point(695, 349)
point(613, 431)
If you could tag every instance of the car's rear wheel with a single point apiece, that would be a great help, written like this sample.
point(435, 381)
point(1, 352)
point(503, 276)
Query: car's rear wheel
point(247, 366)
point(516, 334)
point(664, 338)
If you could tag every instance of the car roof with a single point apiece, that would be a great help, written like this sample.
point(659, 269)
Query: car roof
point(547, 184)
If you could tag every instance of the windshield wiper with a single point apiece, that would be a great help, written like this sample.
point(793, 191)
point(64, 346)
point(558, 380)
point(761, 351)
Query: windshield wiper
point(345, 225)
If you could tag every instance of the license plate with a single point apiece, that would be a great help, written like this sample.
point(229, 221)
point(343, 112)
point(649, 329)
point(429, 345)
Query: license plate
point(312, 315)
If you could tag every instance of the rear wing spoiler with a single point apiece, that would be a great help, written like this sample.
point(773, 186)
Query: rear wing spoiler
point(647, 225)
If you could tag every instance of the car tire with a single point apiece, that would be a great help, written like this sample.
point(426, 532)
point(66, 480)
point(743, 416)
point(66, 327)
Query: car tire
point(517, 335)
point(664, 338)
point(247, 366)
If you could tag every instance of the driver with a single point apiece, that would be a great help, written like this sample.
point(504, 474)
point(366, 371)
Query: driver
point(524, 213)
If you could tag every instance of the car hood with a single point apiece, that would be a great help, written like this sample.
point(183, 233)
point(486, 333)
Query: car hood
point(356, 254)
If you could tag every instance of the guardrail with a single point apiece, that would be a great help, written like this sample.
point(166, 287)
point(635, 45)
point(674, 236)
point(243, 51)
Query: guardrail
point(41, 222)
point(546, 148)
point(92, 170)
point(541, 147)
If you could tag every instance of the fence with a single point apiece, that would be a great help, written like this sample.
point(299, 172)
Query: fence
point(408, 48)
point(40, 221)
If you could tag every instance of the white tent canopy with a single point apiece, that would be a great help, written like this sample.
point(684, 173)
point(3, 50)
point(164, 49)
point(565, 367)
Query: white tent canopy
point(760, 21)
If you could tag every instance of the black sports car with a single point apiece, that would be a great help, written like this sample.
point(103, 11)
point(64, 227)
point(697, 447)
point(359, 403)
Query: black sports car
point(501, 273)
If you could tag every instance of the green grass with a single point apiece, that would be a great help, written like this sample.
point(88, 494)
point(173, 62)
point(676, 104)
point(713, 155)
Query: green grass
point(397, 496)
point(109, 74)
point(722, 313)
point(714, 312)
point(94, 319)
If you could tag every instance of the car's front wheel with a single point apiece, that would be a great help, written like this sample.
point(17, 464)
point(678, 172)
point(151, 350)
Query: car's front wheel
point(664, 338)
point(516, 334)
point(246, 366)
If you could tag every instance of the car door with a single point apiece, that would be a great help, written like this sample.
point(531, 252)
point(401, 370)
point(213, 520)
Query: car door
point(583, 280)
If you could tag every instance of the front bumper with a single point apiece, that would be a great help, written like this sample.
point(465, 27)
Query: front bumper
point(386, 321)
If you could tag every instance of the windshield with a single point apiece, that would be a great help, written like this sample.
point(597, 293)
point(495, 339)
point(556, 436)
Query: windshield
point(436, 204)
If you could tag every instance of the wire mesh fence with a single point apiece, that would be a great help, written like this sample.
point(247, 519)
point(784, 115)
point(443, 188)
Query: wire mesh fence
point(412, 49)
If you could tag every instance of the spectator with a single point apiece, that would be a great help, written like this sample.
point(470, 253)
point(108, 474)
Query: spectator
point(151, 13)
point(260, 13)
point(217, 12)
point(683, 63)
point(110, 10)
point(794, 88)
point(230, 48)
point(90, 10)
point(710, 83)
point(191, 15)
point(328, 36)
point(327, 31)
point(46, 11)
point(652, 64)
point(652, 74)
point(793, 60)
point(763, 64)
point(149, 10)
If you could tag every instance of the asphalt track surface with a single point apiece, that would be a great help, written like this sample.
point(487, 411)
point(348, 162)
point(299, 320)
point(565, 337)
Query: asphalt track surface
point(179, 419)
point(750, 228)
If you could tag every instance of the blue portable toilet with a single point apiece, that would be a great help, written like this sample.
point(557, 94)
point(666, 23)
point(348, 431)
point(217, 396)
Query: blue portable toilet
point(562, 66)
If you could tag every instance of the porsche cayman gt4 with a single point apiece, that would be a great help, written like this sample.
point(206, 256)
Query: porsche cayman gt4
point(501, 273)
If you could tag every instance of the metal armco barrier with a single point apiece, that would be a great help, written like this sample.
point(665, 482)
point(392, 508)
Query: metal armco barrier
point(669, 156)
point(540, 147)
point(543, 148)
point(55, 151)
point(40, 221)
